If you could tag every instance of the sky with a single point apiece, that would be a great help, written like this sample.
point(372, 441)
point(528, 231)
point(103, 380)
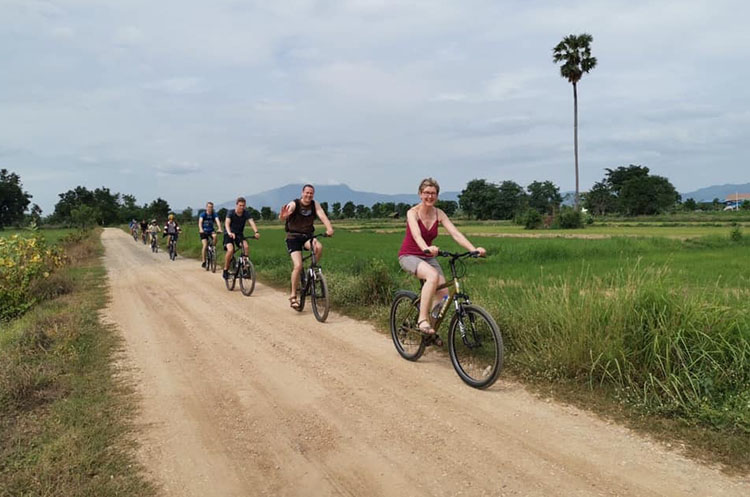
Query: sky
point(192, 100)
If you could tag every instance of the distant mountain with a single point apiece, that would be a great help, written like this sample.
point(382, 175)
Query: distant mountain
point(717, 191)
point(328, 193)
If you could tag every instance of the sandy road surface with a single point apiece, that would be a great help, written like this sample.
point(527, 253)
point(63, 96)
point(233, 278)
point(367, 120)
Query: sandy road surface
point(243, 396)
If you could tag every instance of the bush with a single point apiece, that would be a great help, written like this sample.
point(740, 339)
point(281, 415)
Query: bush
point(23, 262)
point(533, 219)
point(736, 234)
point(569, 219)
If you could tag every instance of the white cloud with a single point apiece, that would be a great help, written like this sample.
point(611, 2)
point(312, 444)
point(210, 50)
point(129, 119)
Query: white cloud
point(177, 168)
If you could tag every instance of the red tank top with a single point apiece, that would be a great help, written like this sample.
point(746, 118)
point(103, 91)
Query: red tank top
point(410, 247)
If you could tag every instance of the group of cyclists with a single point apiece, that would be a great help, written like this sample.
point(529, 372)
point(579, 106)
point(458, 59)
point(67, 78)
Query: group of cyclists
point(416, 256)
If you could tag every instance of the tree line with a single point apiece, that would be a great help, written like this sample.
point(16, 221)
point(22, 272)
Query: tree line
point(626, 190)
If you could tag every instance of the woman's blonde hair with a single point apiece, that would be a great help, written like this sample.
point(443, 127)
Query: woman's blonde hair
point(429, 182)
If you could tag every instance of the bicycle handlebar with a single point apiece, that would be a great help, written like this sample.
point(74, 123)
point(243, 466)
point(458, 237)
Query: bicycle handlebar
point(455, 255)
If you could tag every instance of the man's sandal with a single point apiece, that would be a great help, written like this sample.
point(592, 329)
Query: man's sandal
point(293, 303)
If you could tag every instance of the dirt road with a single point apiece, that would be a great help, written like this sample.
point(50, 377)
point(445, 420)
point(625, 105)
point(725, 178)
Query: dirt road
point(243, 396)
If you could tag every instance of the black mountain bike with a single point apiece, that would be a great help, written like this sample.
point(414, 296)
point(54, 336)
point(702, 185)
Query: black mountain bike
point(211, 256)
point(312, 283)
point(143, 236)
point(241, 269)
point(172, 247)
point(154, 243)
point(474, 340)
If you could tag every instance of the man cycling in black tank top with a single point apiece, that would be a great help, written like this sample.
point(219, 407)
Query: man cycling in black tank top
point(235, 232)
point(299, 215)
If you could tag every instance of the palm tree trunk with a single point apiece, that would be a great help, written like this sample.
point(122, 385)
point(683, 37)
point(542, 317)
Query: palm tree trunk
point(575, 141)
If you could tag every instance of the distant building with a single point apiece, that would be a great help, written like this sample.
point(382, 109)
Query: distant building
point(734, 200)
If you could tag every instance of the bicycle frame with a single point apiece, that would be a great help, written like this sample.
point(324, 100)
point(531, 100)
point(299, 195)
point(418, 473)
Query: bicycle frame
point(455, 295)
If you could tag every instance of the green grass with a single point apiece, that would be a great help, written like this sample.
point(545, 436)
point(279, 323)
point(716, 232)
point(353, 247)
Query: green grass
point(52, 235)
point(657, 325)
point(64, 417)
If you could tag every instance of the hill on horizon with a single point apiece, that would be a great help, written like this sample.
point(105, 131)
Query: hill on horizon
point(716, 191)
point(328, 193)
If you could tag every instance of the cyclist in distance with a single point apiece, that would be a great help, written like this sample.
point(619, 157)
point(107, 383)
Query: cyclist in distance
point(206, 222)
point(235, 227)
point(299, 215)
point(418, 254)
point(132, 225)
point(172, 228)
point(153, 228)
point(144, 228)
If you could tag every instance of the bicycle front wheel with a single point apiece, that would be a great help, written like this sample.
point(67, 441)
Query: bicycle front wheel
point(406, 337)
point(213, 261)
point(247, 278)
point(302, 291)
point(319, 296)
point(476, 346)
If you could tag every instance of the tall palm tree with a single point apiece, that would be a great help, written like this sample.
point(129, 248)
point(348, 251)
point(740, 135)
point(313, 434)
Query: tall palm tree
point(575, 54)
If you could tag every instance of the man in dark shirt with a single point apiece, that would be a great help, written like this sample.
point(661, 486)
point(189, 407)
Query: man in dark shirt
point(300, 214)
point(234, 233)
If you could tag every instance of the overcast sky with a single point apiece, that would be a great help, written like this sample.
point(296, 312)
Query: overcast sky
point(193, 100)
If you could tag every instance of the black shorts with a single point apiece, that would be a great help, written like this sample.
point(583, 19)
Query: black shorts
point(207, 234)
point(237, 240)
point(296, 244)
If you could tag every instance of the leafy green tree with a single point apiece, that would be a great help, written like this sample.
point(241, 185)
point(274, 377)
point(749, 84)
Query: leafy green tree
point(575, 54)
point(35, 216)
point(349, 210)
point(647, 195)
point(544, 197)
point(80, 195)
point(448, 206)
point(129, 209)
point(363, 212)
point(509, 201)
point(401, 209)
point(324, 206)
point(255, 213)
point(336, 210)
point(616, 178)
point(223, 214)
point(377, 210)
point(267, 214)
point(158, 209)
point(745, 205)
point(106, 206)
point(13, 200)
point(690, 205)
point(84, 216)
point(186, 216)
point(600, 199)
point(479, 199)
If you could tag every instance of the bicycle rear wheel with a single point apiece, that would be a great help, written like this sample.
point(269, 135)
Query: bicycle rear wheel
point(229, 282)
point(406, 337)
point(319, 297)
point(476, 346)
point(213, 261)
point(247, 278)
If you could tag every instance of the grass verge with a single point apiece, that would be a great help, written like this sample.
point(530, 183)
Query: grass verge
point(65, 418)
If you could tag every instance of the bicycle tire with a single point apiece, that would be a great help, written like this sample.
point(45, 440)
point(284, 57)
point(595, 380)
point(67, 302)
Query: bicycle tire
point(230, 282)
point(301, 291)
point(213, 262)
point(208, 260)
point(247, 279)
point(319, 297)
point(478, 359)
point(410, 344)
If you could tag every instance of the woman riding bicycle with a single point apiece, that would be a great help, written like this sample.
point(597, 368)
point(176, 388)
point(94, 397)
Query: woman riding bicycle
point(418, 255)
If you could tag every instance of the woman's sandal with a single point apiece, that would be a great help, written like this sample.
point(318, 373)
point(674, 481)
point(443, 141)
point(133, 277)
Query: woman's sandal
point(431, 336)
point(293, 303)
